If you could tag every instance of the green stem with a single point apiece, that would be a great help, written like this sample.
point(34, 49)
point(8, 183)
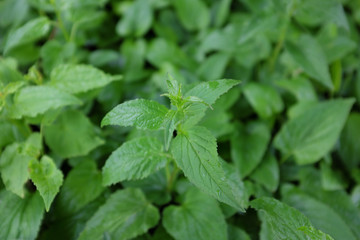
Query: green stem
point(172, 178)
point(60, 23)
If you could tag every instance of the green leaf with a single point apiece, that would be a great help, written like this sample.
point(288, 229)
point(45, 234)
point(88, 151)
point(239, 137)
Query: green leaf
point(248, 146)
point(348, 148)
point(125, 215)
point(135, 159)
point(28, 33)
point(79, 78)
point(286, 222)
point(131, 24)
point(141, 113)
point(214, 66)
point(195, 152)
point(210, 91)
point(14, 168)
point(236, 233)
point(265, 100)
point(313, 233)
point(321, 215)
point(47, 178)
point(338, 201)
point(82, 185)
point(171, 120)
point(267, 173)
point(193, 14)
point(20, 218)
point(72, 134)
point(309, 55)
point(195, 218)
point(312, 134)
point(300, 87)
point(34, 100)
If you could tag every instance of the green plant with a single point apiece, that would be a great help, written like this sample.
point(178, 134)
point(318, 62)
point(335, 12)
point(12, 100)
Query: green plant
point(114, 125)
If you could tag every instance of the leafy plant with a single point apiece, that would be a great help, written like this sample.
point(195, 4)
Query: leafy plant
point(114, 123)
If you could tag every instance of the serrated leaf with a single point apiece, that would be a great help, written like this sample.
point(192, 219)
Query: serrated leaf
point(141, 113)
point(195, 152)
point(14, 168)
point(30, 32)
point(172, 118)
point(195, 218)
point(82, 185)
point(310, 135)
point(79, 78)
point(286, 222)
point(265, 100)
point(47, 178)
point(248, 146)
point(309, 55)
point(125, 215)
point(72, 134)
point(210, 91)
point(34, 100)
point(321, 215)
point(20, 218)
point(313, 233)
point(135, 159)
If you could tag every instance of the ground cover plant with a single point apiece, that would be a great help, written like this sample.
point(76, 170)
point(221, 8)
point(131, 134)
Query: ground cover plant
point(179, 119)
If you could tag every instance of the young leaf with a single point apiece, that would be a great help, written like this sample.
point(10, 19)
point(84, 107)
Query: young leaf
point(47, 178)
point(71, 135)
point(312, 134)
point(82, 185)
point(286, 222)
point(34, 100)
point(20, 218)
point(125, 215)
point(195, 153)
point(14, 168)
point(79, 78)
point(248, 146)
point(141, 113)
point(265, 100)
point(135, 159)
point(30, 32)
point(309, 55)
point(195, 218)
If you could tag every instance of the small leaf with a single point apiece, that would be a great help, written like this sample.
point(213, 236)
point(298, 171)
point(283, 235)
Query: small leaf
point(248, 146)
point(34, 100)
point(195, 152)
point(267, 173)
point(135, 159)
point(195, 218)
point(30, 32)
point(193, 14)
point(309, 55)
point(144, 114)
point(14, 168)
point(20, 218)
point(125, 215)
point(265, 100)
point(79, 78)
point(47, 178)
point(311, 134)
point(212, 90)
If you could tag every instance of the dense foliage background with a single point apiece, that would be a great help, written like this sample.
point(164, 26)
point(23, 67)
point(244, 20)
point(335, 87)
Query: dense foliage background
point(290, 131)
